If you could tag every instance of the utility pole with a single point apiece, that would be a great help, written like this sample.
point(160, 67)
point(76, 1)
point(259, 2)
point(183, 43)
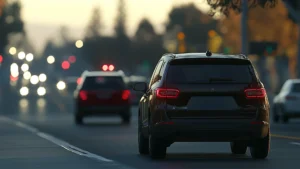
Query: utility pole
point(296, 15)
point(244, 27)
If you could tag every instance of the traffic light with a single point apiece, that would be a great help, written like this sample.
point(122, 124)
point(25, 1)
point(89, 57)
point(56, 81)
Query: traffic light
point(65, 65)
point(1, 59)
point(72, 59)
point(212, 33)
point(295, 5)
point(181, 36)
point(181, 42)
point(214, 41)
point(263, 48)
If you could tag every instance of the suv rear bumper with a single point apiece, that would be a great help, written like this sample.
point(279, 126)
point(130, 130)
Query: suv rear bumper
point(103, 110)
point(213, 130)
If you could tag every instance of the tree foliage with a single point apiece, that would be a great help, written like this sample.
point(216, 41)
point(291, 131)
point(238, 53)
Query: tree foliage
point(225, 6)
point(146, 44)
point(10, 22)
point(264, 24)
point(120, 27)
point(145, 31)
point(94, 26)
point(2, 3)
point(194, 23)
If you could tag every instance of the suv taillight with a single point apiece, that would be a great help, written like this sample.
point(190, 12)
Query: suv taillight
point(83, 95)
point(125, 94)
point(255, 93)
point(167, 93)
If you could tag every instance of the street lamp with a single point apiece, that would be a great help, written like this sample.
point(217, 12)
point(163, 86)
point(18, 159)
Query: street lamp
point(79, 44)
point(12, 50)
point(50, 59)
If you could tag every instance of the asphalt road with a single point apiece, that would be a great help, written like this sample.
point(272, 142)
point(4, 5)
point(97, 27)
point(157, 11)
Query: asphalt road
point(108, 138)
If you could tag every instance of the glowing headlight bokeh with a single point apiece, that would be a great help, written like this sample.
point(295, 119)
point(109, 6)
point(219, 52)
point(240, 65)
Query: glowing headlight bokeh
point(61, 85)
point(42, 77)
point(34, 79)
point(25, 67)
point(21, 55)
point(14, 67)
point(50, 59)
point(29, 57)
point(27, 75)
point(24, 91)
point(12, 50)
point(41, 91)
point(14, 74)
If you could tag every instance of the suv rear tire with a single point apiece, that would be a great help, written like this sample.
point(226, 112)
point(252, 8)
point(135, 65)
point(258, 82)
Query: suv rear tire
point(156, 149)
point(143, 143)
point(238, 147)
point(78, 120)
point(126, 117)
point(285, 119)
point(260, 148)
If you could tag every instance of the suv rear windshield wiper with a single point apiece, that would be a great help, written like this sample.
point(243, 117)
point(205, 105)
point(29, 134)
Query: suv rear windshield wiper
point(220, 80)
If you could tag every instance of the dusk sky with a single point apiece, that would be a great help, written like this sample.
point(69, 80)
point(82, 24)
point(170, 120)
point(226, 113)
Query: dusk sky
point(44, 17)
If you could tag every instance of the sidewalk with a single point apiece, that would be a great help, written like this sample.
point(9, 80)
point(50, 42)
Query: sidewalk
point(21, 149)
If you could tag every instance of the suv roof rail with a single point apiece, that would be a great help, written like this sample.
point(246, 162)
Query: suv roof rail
point(243, 56)
point(170, 54)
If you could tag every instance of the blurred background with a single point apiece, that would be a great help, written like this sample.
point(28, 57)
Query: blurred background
point(46, 45)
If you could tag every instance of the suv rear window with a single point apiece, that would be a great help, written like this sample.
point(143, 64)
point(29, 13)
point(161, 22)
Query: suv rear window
point(296, 88)
point(207, 73)
point(106, 82)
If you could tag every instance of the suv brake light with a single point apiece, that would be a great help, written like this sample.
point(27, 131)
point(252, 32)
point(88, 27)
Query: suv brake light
point(255, 93)
point(83, 95)
point(167, 93)
point(126, 94)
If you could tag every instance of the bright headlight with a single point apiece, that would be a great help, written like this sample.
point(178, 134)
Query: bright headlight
point(42, 77)
point(41, 91)
point(61, 85)
point(24, 91)
point(34, 79)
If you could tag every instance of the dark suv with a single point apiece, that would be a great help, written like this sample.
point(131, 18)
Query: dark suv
point(102, 94)
point(196, 97)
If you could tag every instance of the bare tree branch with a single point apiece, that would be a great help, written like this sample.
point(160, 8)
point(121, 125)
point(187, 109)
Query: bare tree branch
point(224, 6)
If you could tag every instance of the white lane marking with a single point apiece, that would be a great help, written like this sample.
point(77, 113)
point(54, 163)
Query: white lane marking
point(295, 143)
point(58, 142)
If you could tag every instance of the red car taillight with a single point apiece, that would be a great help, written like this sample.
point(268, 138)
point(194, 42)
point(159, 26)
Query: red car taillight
point(83, 95)
point(167, 93)
point(126, 94)
point(255, 93)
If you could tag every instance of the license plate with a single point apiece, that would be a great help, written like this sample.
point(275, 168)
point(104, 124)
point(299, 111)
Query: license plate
point(212, 103)
point(104, 96)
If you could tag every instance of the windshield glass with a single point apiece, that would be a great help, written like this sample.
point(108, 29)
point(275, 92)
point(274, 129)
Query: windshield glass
point(209, 73)
point(103, 82)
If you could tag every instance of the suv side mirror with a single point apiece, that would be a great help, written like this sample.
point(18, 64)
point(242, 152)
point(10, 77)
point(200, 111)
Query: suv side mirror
point(140, 86)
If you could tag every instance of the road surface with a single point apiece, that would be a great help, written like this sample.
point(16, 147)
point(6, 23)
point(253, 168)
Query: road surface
point(107, 138)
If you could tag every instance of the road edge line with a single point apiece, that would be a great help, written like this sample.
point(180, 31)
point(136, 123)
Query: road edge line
point(295, 143)
point(57, 141)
